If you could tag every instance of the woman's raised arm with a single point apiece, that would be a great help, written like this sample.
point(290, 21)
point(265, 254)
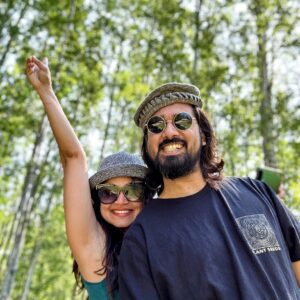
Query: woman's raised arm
point(84, 233)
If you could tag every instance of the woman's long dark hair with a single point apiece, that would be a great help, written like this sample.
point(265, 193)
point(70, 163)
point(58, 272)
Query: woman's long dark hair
point(211, 163)
point(114, 238)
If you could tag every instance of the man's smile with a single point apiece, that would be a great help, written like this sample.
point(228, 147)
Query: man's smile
point(171, 146)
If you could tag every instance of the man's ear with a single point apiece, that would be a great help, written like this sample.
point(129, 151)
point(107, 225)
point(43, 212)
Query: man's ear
point(203, 140)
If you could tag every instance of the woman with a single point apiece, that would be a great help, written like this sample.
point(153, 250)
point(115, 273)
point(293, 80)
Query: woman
point(117, 199)
point(97, 211)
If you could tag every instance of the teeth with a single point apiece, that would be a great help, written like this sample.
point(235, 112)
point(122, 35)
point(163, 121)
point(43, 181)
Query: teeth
point(121, 211)
point(172, 147)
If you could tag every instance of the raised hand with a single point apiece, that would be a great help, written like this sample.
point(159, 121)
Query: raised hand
point(38, 73)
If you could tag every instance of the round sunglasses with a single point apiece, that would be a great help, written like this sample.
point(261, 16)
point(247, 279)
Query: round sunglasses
point(181, 121)
point(109, 193)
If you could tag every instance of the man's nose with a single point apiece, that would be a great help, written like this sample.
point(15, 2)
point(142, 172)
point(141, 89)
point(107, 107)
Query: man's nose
point(170, 130)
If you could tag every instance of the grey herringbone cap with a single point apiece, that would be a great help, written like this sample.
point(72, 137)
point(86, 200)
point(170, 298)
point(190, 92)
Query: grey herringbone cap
point(165, 95)
point(118, 165)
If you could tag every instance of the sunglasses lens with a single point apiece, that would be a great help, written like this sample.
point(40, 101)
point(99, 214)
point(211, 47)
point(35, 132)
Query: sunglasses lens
point(134, 192)
point(156, 124)
point(183, 121)
point(107, 195)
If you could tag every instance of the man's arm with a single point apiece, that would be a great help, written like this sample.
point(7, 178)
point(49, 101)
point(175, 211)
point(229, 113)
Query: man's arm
point(135, 277)
point(296, 267)
point(289, 224)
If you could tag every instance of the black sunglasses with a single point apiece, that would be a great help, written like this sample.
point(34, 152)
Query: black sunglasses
point(181, 121)
point(109, 193)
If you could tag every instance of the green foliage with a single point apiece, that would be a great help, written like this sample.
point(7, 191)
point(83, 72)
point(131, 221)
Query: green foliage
point(105, 56)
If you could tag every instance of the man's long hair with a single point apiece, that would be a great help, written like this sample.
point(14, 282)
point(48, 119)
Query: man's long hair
point(211, 163)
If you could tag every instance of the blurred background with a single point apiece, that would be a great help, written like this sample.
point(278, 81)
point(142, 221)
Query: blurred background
point(104, 57)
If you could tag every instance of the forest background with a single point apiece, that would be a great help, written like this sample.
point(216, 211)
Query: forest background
point(104, 57)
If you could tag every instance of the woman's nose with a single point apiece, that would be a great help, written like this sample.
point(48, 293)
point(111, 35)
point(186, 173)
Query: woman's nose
point(121, 198)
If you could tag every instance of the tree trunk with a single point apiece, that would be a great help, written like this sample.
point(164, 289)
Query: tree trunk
point(37, 246)
point(196, 36)
point(111, 93)
point(18, 228)
point(265, 87)
point(4, 54)
point(267, 123)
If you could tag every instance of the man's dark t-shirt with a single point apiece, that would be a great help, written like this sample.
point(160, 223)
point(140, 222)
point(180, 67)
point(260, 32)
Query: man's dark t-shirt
point(234, 243)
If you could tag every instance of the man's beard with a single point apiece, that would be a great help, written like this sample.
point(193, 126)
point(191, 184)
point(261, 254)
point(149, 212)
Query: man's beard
point(173, 167)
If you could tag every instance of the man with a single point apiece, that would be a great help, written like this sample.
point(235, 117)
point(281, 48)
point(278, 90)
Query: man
point(205, 237)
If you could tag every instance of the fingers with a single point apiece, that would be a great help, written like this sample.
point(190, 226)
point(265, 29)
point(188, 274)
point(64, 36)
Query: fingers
point(38, 72)
point(45, 61)
point(31, 67)
point(41, 64)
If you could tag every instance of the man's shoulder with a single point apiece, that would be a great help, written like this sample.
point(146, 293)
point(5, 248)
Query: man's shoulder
point(242, 186)
point(232, 182)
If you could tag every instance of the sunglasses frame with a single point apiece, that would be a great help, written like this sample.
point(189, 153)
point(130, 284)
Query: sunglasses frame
point(173, 122)
point(120, 189)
